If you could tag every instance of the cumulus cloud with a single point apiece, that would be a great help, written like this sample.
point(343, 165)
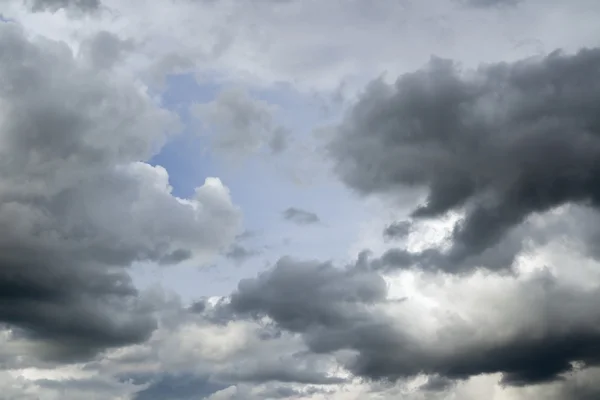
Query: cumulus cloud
point(508, 149)
point(298, 295)
point(189, 357)
point(344, 310)
point(78, 204)
point(501, 142)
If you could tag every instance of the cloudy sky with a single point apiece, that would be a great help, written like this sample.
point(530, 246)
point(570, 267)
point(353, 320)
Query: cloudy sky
point(299, 199)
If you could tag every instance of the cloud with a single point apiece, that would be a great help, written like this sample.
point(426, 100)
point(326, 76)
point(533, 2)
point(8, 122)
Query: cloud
point(179, 387)
point(436, 384)
point(502, 142)
point(300, 217)
point(246, 392)
point(283, 369)
point(81, 202)
point(104, 49)
point(533, 351)
point(298, 295)
point(583, 387)
point(575, 225)
point(54, 5)
point(189, 357)
point(344, 310)
point(278, 142)
point(490, 3)
point(241, 125)
point(83, 387)
point(288, 48)
point(397, 230)
point(78, 204)
point(239, 253)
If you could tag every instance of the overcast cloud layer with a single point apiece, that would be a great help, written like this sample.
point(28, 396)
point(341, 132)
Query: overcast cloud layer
point(412, 212)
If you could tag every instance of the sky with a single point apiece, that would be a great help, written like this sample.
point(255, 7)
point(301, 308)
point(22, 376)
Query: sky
point(299, 199)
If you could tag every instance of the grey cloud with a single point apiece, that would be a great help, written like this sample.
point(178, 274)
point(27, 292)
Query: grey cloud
point(538, 352)
point(90, 385)
point(175, 257)
point(561, 326)
point(283, 370)
point(104, 49)
point(186, 373)
point(51, 304)
point(577, 391)
point(198, 306)
point(397, 230)
point(490, 3)
point(436, 384)
point(502, 142)
point(268, 391)
point(54, 5)
point(298, 295)
point(499, 258)
point(278, 142)
point(239, 253)
point(300, 217)
point(290, 363)
point(576, 225)
point(285, 392)
point(172, 63)
point(336, 310)
point(242, 125)
point(78, 204)
point(180, 387)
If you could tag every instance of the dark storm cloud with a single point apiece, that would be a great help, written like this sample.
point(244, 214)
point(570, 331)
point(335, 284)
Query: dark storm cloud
point(502, 142)
point(74, 309)
point(77, 206)
point(337, 309)
point(298, 295)
point(300, 217)
point(540, 351)
point(526, 237)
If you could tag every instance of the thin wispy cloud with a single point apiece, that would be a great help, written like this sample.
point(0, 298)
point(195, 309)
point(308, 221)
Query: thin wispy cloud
point(300, 216)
